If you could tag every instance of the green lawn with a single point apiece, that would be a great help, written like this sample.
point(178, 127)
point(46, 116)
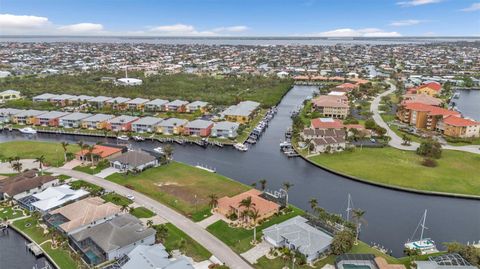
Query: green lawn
point(238, 238)
point(117, 199)
point(60, 256)
point(53, 152)
point(192, 248)
point(79, 184)
point(180, 186)
point(92, 170)
point(142, 212)
point(457, 172)
point(9, 213)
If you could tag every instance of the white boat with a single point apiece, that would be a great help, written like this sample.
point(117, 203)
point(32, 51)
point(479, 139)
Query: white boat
point(138, 138)
point(123, 137)
point(285, 144)
point(423, 245)
point(240, 147)
point(159, 150)
point(28, 130)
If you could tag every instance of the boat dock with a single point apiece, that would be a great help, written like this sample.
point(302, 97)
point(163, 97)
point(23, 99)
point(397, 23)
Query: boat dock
point(35, 249)
point(257, 132)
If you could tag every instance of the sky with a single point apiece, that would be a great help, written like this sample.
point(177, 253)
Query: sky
point(330, 18)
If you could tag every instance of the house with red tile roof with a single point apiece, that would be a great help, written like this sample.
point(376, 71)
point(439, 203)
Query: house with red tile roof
point(431, 88)
point(346, 87)
point(99, 153)
point(460, 127)
point(326, 123)
point(331, 106)
point(421, 98)
point(423, 116)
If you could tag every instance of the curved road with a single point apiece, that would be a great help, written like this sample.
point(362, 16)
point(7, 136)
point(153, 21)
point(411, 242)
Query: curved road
point(210, 242)
point(396, 141)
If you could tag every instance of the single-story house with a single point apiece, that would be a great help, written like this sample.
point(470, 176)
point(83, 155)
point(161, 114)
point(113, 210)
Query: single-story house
point(98, 121)
point(51, 118)
point(24, 184)
point(6, 114)
point(172, 126)
point(198, 128)
point(156, 105)
point(225, 129)
point(99, 101)
point(297, 234)
point(137, 104)
point(154, 256)
point(146, 125)
point(8, 95)
point(27, 116)
point(121, 123)
point(134, 160)
point(177, 105)
point(100, 152)
point(197, 105)
point(51, 198)
point(73, 120)
point(112, 239)
point(46, 97)
point(231, 205)
point(82, 214)
point(119, 103)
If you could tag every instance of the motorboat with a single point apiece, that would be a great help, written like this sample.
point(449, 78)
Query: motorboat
point(28, 130)
point(123, 138)
point(240, 147)
point(139, 138)
point(423, 245)
point(159, 150)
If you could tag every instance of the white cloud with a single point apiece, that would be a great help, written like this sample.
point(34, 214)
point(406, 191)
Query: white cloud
point(231, 29)
point(190, 30)
point(473, 7)
point(414, 3)
point(19, 24)
point(82, 28)
point(366, 32)
point(405, 23)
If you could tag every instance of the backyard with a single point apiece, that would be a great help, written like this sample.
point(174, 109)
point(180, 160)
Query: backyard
point(53, 152)
point(457, 172)
point(180, 186)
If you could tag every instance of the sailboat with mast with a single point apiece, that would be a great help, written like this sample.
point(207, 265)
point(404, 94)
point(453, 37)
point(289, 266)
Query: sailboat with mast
point(423, 245)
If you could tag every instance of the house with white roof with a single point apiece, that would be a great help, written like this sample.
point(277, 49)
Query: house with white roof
point(6, 114)
point(241, 113)
point(73, 120)
point(156, 105)
point(118, 103)
point(137, 104)
point(27, 116)
point(176, 106)
point(197, 106)
point(8, 95)
point(225, 129)
point(146, 125)
point(121, 123)
point(51, 198)
point(46, 97)
point(198, 128)
point(51, 118)
point(97, 121)
point(172, 126)
point(154, 256)
point(99, 101)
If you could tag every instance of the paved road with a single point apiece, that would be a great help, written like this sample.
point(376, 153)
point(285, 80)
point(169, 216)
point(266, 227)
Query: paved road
point(210, 242)
point(396, 141)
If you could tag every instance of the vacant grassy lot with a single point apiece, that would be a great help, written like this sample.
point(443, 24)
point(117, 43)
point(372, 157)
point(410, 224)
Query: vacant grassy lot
point(180, 186)
point(216, 90)
point(116, 199)
point(53, 152)
point(142, 212)
point(238, 238)
point(457, 172)
point(190, 247)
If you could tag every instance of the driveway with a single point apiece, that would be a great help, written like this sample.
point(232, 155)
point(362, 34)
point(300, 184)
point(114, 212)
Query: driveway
point(107, 172)
point(260, 250)
point(204, 238)
point(210, 220)
point(396, 141)
point(72, 164)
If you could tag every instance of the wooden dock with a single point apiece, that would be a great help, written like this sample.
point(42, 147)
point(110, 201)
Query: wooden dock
point(35, 249)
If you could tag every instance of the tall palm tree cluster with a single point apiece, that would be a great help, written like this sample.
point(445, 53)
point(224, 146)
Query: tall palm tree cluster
point(250, 214)
point(331, 219)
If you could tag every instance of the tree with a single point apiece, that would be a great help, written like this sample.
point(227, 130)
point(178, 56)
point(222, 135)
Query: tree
point(370, 124)
point(65, 148)
point(247, 204)
point(254, 214)
point(161, 233)
point(90, 149)
point(430, 148)
point(342, 242)
point(406, 140)
point(313, 204)
point(149, 223)
point(411, 252)
point(213, 200)
point(469, 253)
point(286, 186)
point(125, 208)
point(168, 151)
point(263, 184)
point(17, 166)
point(40, 160)
point(358, 218)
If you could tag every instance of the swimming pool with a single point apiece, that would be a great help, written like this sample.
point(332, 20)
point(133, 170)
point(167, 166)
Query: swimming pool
point(356, 266)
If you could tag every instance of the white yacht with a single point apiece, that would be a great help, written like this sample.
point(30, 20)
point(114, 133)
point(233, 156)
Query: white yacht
point(123, 138)
point(28, 130)
point(240, 147)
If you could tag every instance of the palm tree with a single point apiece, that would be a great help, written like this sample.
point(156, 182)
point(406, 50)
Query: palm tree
point(254, 215)
point(248, 204)
point(149, 223)
point(40, 160)
point(213, 200)
point(125, 208)
point(358, 217)
point(263, 184)
point(161, 233)
point(90, 149)
point(254, 185)
point(17, 166)
point(313, 204)
point(286, 186)
point(168, 151)
point(65, 148)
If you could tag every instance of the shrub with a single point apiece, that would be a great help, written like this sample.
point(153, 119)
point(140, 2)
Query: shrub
point(428, 162)
point(430, 148)
point(370, 124)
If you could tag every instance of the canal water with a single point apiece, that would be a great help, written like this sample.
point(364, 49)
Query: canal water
point(14, 254)
point(391, 216)
point(468, 103)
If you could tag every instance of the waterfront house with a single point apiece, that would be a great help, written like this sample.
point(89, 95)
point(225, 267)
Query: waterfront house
point(346, 87)
point(423, 116)
point(156, 105)
point(154, 256)
point(367, 261)
point(146, 125)
point(98, 121)
point(99, 152)
point(9, 95)
point(121, 123)
point(24, 184)
point(73, 120)
point(172, 126)
point(296, 234)
point(326, 123)
point(82, 214)
point(118, 103)
point(333, 106)
point(176, 106)
point(51, 198)
point(27, 117)
point(431, 88)
point(197, 106)
point(421, 98)
point(311, 133)
point(135, 160)
point(137, 104)
point(445, 261)
point(6, 114)
point(459, 127)
point(328, 144)
point(225, 129)
point(242, 112)
point(112, 239)
point(198, 128)
point(231, 205)
point(51, 118)
point(99, 101)
point(46, 97)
